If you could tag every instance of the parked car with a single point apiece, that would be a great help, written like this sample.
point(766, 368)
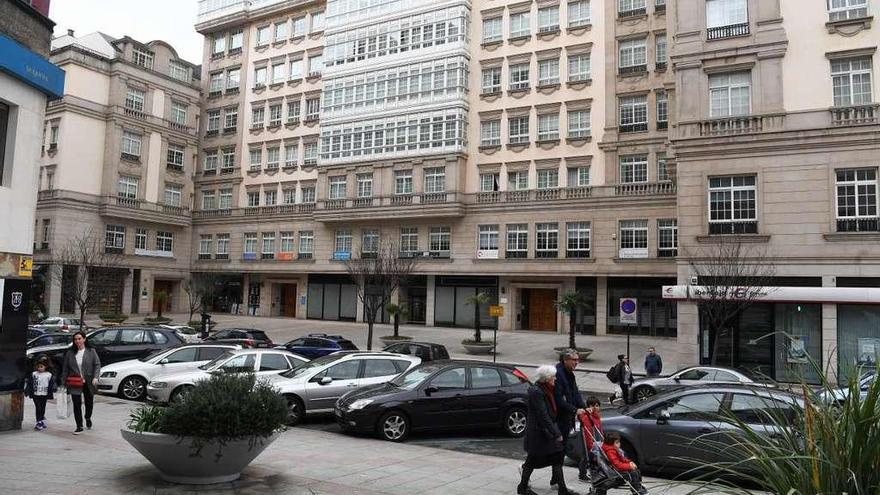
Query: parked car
point(128, 379)
point(316, 386)
point(315, 345)
point(840, 395)
point(425, 351)
point(188, 334)
point(169, 387)
point(245, 337)
point(644, 388)
point(59, 324)
point(439, 395)
point(35, 331)
point(50, 338)
point(658, 434)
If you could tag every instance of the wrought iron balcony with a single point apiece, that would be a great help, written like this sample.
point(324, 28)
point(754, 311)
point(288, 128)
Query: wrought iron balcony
point(730, 31)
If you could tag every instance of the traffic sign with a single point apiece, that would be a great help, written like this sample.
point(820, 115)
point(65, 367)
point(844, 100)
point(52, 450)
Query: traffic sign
point(496, 311)
point(629, 311)
point(25, 266)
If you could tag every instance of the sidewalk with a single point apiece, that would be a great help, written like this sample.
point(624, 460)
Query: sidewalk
point(300, 462)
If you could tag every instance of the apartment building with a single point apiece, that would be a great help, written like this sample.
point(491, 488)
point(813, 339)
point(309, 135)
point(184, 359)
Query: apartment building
point(118, 155)
point(776, 147)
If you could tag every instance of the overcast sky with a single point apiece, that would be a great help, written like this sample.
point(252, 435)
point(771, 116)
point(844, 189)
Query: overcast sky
point(168, 20)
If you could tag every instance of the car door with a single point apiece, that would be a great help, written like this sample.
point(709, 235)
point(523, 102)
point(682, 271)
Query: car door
point(378, 371)
point(272, 363)
point(670, 441)
point(240, 363)
point(688, 378)
point(440, 402)
point(763, 414)
point(341, 378)
point(485, 396)
point(209, 353)
point(179, 360)
point(104, 342)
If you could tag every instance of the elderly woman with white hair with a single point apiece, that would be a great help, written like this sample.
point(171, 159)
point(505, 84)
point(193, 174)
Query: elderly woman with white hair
point(543, 440)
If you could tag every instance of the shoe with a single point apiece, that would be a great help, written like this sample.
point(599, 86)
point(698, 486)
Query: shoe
point(77, 431)
point(88, 423)
point(37, 426)
point(524, 490)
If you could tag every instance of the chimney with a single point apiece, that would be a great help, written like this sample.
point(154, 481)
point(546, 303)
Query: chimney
point(70, 32)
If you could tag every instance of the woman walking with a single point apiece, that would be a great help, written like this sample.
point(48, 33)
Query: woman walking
point(543, 440)
point(80, 371)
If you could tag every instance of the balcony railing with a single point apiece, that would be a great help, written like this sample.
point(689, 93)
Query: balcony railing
point(734, 227)
point(637, 127)
point(632, 69)
point(632, 13)
point(732, 125)
point(856, 115)
point(644, 189)
point(731, 31)
point(138, 114)
point(858, 224)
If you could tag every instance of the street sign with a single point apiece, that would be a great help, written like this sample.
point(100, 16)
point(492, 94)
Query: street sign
point(25, 266)
point(629, 311)
point(496, 311)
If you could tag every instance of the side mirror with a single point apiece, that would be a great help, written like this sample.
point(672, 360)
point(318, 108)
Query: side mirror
point(676, 379)
point(326, 380)
point(663, 417)
point(164, 361)
point(431, 390)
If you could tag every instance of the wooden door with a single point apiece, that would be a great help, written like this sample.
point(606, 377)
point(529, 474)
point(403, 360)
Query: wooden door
point(288, 300)
point(168, 287)
point(542, 309)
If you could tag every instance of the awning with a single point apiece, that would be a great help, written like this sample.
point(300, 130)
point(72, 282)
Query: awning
point(820, 295)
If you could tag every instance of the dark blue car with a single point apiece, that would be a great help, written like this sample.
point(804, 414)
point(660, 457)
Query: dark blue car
point(316, 345)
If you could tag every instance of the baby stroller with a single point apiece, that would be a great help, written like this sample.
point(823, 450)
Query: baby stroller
point(603, 476)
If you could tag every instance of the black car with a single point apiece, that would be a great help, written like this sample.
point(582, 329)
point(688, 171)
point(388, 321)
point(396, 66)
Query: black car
point(424, 350)
point(439, 395)
point(315, 345)
point(50, 339)
point(245, 337)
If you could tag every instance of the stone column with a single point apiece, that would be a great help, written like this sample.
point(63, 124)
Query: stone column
point(126, 293)
point(601, 305)
point(53, 290)
point(429, 303)
point(359, 317)
point(829, 333)
point(688, 333)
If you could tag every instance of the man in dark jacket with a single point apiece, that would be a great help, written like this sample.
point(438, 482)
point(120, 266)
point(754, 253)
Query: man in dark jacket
point(568, 398)
point(653, 363)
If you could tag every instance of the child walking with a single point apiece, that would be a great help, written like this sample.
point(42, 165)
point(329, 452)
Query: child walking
point(40, 386)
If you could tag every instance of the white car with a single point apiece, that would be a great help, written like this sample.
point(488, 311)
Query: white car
point(128, 379)
point(315, 387)
point(186, 333)
point(59, 324)
point(169, 387)
point(840, 395)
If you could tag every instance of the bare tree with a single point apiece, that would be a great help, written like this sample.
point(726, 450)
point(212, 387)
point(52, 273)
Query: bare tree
point(377, 276)
point(199, 289)
point(731, 277)
point(97, 271)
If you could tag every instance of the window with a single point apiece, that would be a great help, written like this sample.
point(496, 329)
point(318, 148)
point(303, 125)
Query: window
point(579, 177)
point(211, 160)
point(662, 110)
point(291, 151)
point(409, 239)
point(178, 71)
point(260, 77)
point(258, 116)
point(256, 159)
point(225, 201)
point(548, 127)
point(235, 41)
point(228, 160)
point(296, 69)
point(369, 242)
point(517, 240)
point(278, 75)
point(281, 31)
point(403, 182)
point(627, 8)
point(841, 10)
point(316, 65)
point(273, 362)
point(178, 112)
point(233, 79)
point(268, 251)
point(732, 205)
point(491, 30)
point(578, 240)
point(633, 239)
point(219, 44)
point(173, 194)
point(142, 58)
point(578, 13)
point(127, 187)
point(548, 19)
point(310, 153)
point(299, 26)
point(660, 51)
point(578, 124)
point(308, 195)
point(209, 200)
point(131, 145)
point(634, 113)
point(439, 240)
point(518, 129)
point(306, 244)
point(633, 56)
point(726, 18)
point(857, 200)
point(317, 21)
point(270, 197)
point(662, 170)
point(667, 238)
point(253, 199)
point(491, 80)
point(140, 239)
point(275, 115)
point(273, 155)
point(489, 182)
point(730, 94)
point(518, 180)
point(222, 246)
point(435, 180)
point(293, 111)
point(546, 240)
point(347, 370)
point(519, 25)
point(263, 35)
point(548, 72)
point(548, 179)
point(338, 187)
point(287, 242)
point(230, 119)
point(288, 196)
point(851, 81)
point(114, 237)
point(364, 185)
point(374, 368)
point(633, 168)
point(164, 241)
point(313, 108)
point(250, 243)
point(579, 67)
point(216, 83)
point(206, 246)
point(519, 76)
point(134, 99)
point(450, 380)
point(488, 237)
point(490, 133)
point(175, 156)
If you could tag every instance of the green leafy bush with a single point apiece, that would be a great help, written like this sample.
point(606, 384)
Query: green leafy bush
point(113, 317)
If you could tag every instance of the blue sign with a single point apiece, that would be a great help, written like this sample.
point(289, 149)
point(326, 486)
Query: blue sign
point(342, 255)
point(31, 68)
point(249, 256)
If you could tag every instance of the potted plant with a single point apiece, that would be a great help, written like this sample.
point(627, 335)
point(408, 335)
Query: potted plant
point(569, 304)
point(221, 425)
point(476, 345)
point(112, 319)
point(396, 312)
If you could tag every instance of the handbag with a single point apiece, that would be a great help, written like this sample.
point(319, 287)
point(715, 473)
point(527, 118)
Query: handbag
point(74, 382)
point(63, 405)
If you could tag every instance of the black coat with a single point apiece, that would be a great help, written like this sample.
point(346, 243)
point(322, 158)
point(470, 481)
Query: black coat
point(568, 398)
point(541, 429)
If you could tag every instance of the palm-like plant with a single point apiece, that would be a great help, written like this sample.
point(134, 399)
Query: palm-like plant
point(569, 304)
point(161, 299)
point(396, 312)
point(477, 300)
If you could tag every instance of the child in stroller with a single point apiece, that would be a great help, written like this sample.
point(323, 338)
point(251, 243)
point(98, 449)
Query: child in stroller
point(612, 469)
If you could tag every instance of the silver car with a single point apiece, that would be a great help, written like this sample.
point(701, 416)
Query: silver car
point(59, 324)
point(128, 379)
point(840, 395)
point(315, 387)
point(644, 388)
point(166, 388)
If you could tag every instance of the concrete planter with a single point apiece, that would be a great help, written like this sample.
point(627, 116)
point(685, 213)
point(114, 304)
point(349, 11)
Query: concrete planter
point(386, 341)
point(171, 456)
point(583, 352)
point(479, 349)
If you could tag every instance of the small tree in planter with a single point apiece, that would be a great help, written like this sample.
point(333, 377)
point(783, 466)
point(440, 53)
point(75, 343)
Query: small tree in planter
point(161, 298)
point(569, 304)
point(396, 312)
point(476, 345)
point(113, 318)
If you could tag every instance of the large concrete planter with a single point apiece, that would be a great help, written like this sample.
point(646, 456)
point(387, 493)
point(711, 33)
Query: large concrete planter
point(583, 352)
point(390, 339)
point(171, 456)
point(478, 349)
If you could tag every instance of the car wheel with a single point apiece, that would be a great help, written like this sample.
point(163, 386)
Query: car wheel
point(394, 426)
point(296, 410)
point(644, 393)
point(515, 422)
point(179, 393)
point(133, 388)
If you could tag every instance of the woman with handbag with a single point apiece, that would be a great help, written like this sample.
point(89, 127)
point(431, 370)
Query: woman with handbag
point(80, 370)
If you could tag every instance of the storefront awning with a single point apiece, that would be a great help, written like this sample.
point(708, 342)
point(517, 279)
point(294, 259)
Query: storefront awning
point(820, 295)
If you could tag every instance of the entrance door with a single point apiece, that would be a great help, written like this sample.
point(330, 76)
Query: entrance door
point(288, 300)
point(166, 286)
point(542, 309)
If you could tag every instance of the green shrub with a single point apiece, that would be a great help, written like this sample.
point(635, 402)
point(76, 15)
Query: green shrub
point(113, 317)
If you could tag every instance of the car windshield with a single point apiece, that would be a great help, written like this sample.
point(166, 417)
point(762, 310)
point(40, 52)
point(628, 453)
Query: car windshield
point(412, 378)
point(310, 366)
point(151, 355)
point(217, 360)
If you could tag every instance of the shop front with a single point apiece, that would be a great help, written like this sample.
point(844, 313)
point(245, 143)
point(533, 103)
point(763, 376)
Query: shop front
point(331, 297)
point(656, 316)
point(451, 296)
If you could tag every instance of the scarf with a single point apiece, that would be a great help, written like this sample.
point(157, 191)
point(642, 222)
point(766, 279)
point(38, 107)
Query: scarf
point(550, 392)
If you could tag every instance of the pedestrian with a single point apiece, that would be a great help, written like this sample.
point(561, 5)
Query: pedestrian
point(568, 397)
point(80, 371)
point(543, 440)
point(591, 428)
point(624, 376)
point(653, 363)
point(618, 460)
point(40, 387)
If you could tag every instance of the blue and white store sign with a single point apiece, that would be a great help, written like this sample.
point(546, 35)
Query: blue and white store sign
point(31, 68)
